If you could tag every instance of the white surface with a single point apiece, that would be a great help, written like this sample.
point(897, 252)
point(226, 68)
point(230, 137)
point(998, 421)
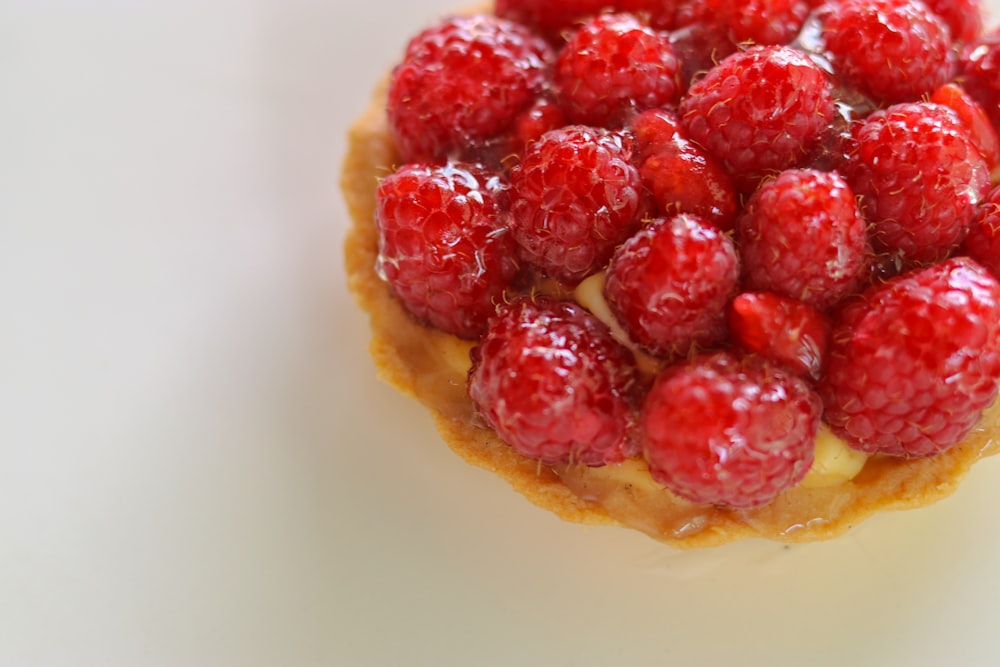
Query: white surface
point(197, 466)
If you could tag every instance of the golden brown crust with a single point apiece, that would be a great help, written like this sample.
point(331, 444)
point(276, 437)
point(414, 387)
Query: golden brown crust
point(420, 362)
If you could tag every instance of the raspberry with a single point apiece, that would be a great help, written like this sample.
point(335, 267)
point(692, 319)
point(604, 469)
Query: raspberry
point(440, 248)
point(669, 284)
point(554, 384)
point(541, 117)
point(680, 175)
point(700, 46)
point(919, 178)
point(759, 111)
point(577, 196)
point(907, 49)
point(914, 362)
point(760, 21)
point(974, 118)
point(980, 73)
point(556, 18)
point(964, 18)
point(983, 240)
point(782, 330)
point(612, 67)
point(801, 235)
point(729, 432)
point(443, 97)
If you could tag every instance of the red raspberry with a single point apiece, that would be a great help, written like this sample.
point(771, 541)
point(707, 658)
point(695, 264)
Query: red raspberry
point(893, 50)
point(980, 73)
point(964, 18)
point(700, 45)
point(612, 67)
point(550, 17)
point(782, 330)
point(760, 21)
point(541, 117)
point(554, 384)
point(759, 111)
point(983, 240)
point(729, 432)
point(919, 178)
point(801, 235)
point(556, 18)
point(440, 247)
point(974, 118)
point(443, 97)
point(681, 176)
point(577, 196)
point(913, 364)
point(669, 284)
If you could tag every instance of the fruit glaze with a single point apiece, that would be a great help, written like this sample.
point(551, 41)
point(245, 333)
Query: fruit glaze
point(708, 269)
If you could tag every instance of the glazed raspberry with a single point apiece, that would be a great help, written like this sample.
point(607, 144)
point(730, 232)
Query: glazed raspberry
point(552, 18)
point(557, 18)
point(760, 21)
point(983, 240)
point(669, 284)
point(729, 432)
point(980, 73)
point(759, 111)
point(974, 118)
point(913, 363)
point(440, 246)
point(681, 176)
point(964, 18)
point(541, 117)
point(906, 49)
point(612, 67)
point(554, 384)
point(801, 235)
point(700, 45)
point(576, 196)
point(443, 97)
point(919, 178)
point(785, 331)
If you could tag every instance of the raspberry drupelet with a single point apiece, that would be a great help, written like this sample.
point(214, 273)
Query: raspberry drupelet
point(551, 380)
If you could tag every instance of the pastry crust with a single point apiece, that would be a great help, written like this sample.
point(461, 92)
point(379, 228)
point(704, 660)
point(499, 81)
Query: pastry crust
point(431, 366)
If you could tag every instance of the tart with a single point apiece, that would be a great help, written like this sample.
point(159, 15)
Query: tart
point(443, 361)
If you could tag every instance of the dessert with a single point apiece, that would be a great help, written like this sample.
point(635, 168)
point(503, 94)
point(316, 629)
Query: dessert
point(704, 276)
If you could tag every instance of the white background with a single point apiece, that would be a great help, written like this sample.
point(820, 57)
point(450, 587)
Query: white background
point(197, 465)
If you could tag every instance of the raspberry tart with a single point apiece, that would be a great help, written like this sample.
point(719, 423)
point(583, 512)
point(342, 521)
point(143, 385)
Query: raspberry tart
point(704, 268)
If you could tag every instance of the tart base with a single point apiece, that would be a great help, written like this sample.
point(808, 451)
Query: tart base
point(431, 366)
